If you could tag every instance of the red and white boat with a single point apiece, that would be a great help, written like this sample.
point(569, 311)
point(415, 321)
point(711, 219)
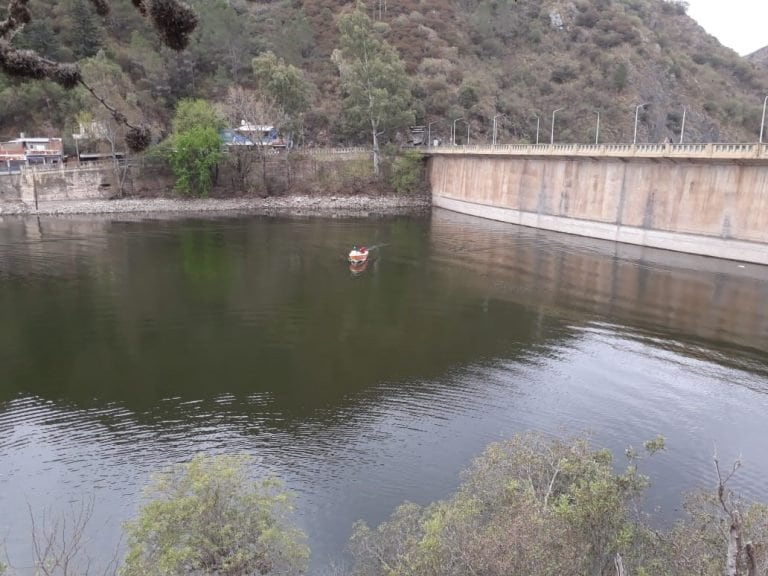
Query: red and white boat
point(358, 256)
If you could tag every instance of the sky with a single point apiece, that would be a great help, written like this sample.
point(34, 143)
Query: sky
point(738, 24)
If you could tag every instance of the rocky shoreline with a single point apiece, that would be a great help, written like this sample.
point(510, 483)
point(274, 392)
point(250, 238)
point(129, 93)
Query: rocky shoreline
point(299, 205)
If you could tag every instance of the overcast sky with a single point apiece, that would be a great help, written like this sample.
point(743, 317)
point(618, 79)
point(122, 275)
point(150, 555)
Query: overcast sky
point(738, 24)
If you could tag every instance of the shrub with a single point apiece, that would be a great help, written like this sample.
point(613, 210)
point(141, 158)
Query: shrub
point(527, 506)
point(208, 517)
point(620, 76)
point(193, 156)
point(408, 173)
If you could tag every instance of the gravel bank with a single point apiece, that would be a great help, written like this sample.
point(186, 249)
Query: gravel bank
point(300, 205)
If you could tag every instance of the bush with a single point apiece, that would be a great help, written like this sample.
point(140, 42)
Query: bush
point(407, 173)
point(526, 506)
point(208, 517)
point(620, 76)
point(193, 157)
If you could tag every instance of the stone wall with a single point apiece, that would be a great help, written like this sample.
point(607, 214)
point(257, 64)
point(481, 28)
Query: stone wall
point(10, 188)
point(335, 171)
point(716, 208)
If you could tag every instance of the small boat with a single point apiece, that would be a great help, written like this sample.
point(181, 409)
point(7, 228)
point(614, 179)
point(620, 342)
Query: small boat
point(358, 256)
point(359, 267)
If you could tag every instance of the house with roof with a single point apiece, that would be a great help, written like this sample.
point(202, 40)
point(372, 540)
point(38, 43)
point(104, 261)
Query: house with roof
point(233, 138)
point(262, 134)
point(27, 151)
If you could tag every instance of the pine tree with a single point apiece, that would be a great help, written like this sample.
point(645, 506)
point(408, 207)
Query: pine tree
point(87, 38)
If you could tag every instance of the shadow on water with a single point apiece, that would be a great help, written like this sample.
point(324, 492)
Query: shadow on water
point(129, 343)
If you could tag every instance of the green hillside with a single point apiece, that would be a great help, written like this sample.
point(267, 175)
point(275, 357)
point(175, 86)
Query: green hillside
point(466, 58)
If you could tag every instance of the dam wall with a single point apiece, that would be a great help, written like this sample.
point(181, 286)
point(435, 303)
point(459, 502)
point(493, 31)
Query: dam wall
point(709, 206)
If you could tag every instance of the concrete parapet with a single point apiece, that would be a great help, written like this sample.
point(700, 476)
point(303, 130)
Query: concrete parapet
point(744, 151)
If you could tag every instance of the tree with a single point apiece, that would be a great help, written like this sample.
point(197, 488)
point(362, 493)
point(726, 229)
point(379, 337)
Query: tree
point(283, 85)
point(377, 94)
point(195, 146)
point(255, 110)
point(468, 96)
point(195, 113)
point(173, 20)
point(85, 32)
point(527, 506)
point(209, 517)
point(720, 535)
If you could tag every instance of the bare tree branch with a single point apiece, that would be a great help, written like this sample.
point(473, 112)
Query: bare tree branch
point(174, 21)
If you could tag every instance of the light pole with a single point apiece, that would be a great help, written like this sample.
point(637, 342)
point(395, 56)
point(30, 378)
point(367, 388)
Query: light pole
point(682, 126)
point(762, 122)
point(429, 131)
point(552, 133)
point(494, 126)
point(76, 137)
point(597, 128)
point(637, 111)
point(453, 134)
point(538, 121)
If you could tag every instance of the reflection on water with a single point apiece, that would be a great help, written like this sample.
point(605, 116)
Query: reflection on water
point(129, 344)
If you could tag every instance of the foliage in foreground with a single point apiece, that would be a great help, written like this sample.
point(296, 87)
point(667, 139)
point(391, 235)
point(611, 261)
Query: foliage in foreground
point(209, 517)
point(530, 505)
point(541, 507)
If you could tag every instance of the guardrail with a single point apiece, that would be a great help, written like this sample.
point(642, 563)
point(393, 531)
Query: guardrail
point(692, 151)
point(330, 151)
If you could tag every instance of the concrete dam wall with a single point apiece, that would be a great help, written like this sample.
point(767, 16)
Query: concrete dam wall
point(713, 207)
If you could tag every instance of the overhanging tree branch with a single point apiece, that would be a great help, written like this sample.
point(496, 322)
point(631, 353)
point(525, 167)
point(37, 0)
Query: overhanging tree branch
point(174, 21)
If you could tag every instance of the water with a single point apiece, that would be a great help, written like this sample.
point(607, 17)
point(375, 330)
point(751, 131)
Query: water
point(129, 343)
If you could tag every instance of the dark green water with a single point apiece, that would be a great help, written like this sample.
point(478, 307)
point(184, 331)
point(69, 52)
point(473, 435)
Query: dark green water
point(127, 344)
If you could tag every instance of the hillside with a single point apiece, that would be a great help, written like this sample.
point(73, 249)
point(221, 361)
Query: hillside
point(759, 58)
point(471, 58)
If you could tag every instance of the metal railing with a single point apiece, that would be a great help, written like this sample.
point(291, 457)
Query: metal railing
point(693, 151)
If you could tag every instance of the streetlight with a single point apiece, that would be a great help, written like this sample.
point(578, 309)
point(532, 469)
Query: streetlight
point(454, 129)
point(682, 126)
point(552, 133)
point(597, 128)
point(637, 111)
point(538, 121)
point(494, 126)
point(453, 132)
point(429, 131)
point(762, 122)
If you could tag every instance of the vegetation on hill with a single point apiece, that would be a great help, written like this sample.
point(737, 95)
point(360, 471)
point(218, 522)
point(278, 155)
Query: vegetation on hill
point(759, 58)
point(472, 59)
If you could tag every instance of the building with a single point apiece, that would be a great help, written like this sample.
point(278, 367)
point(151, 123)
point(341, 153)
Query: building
point(262, 134)
point(24, 151)
point(232, 138)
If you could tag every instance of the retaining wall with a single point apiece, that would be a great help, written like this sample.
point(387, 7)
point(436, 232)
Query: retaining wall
point(710, 207)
